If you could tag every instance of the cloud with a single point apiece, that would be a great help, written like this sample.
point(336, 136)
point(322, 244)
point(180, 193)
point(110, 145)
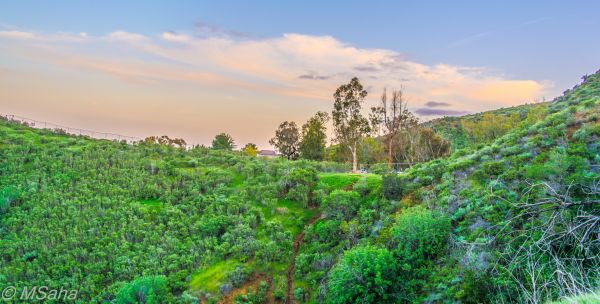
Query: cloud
point(206, 29)
point(313, 76)
point(17, 34)
point(439, 112)
point(173, 36)
point(126, 36)
point(367, 68)
point(280, 67)
point(435, 104)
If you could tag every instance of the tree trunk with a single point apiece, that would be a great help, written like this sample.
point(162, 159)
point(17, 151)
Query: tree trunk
point(354, 159)
point(390, 151)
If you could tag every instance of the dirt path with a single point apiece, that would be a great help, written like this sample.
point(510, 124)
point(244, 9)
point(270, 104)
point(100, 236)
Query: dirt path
point(289, 299)
point(251, 283)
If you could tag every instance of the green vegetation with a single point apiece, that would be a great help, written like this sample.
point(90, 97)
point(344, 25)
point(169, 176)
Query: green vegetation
point(482, 128)
point(151, 290)
point(213, 276)
point(510, 217)
point(587, 298)
point(223, 141)
point(376, 267)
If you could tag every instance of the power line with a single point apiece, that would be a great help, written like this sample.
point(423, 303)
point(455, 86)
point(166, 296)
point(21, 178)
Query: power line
point(40, 124)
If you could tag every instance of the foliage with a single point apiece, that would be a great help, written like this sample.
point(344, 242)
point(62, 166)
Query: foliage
point(223, 141)
point(287, 139)
point(460, 132)
point(363, 275)
point(348, 122)
point(514, 219)
point(314, 137)
point(250, 149)
point(393, 118)
point(341, 205)
point(148, 289)
point(419, 236)
point(165, 140)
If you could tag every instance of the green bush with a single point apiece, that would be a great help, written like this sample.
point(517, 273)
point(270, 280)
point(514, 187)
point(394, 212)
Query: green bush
point(380, 169)
point(363, 275)
point(419, 236)
point(148, 289)
point(341, 205)
point(394, 186)
point(493, 168)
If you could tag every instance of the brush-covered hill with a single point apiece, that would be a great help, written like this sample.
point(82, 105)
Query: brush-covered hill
point(150, 223)
point(482, 128)
point(513, 220)
point(524, 210)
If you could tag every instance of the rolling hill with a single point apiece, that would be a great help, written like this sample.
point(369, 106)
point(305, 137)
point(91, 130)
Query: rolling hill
point(513, 219)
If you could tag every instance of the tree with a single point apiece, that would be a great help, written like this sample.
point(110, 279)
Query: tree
point(223, 141)
point(165, 141)
point(431, 145)
point(314, 137)
point(348, 122)
point(250, 149)
point(420, 144)
point(364, 274)
point(371, 151)
point(392, 117)
point(287, 139)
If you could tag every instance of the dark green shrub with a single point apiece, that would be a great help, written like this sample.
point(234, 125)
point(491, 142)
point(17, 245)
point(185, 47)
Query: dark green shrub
point(148, 289)
point(380, 169)
point(394, 186)
point(363, 275)
point(341, 205)
point(419, 235)
point(475, 288)
point(493, 168)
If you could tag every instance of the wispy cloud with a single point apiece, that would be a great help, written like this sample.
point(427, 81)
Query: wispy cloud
point(284, 66)
point(476, 36)
point(465, 40)
point(314, 76)
point(211, 30)
point(435, 104)
point(439, 112)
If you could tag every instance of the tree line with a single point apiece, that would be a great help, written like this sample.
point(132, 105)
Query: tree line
point(390, 133)
point(390, 126)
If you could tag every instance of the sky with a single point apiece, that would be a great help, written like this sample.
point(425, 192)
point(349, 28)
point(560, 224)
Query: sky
point(193, 69)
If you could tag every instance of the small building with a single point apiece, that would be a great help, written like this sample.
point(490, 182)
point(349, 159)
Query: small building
point(267, 153)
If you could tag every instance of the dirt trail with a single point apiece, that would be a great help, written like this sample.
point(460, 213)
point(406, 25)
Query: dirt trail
point(251, 283)
point(289, 299)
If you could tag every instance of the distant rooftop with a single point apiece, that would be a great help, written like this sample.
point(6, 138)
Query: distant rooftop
point(267, 153)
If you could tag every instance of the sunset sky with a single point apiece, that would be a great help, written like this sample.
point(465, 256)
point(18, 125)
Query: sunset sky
point(191, 69)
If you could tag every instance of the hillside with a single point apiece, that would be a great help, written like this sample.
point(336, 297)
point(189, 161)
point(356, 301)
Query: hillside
point(461, 131)
point(112, 217)
point(525, 209)
point(514, 220)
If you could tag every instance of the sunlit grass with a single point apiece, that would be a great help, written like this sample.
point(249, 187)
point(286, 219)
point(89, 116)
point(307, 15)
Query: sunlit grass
point(211, 278)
